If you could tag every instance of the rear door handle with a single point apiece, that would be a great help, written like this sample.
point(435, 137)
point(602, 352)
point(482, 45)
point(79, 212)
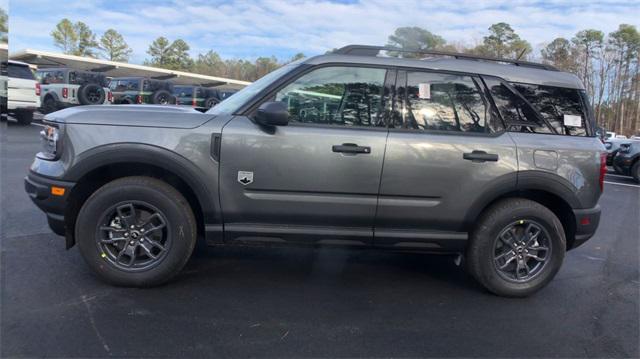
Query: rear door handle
point(480, 156)
point(351, 148)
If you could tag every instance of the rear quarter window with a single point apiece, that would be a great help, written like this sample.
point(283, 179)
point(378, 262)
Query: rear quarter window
point(20, 72)
point(558, 105)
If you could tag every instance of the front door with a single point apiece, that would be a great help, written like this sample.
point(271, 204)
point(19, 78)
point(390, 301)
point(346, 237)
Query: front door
point(316, 179)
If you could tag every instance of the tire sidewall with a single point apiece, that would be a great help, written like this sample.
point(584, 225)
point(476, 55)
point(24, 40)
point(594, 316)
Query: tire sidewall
point(83, 94)
point(181, 227)
point(485, 236)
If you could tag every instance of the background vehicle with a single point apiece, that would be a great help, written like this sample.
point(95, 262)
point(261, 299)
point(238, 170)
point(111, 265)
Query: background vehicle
point(627, 160)
point(141, 90)
point(346, 148)
point(613, 145)
point(65, 87)
point(23, 92)
point(3, 88)
point(199, 97)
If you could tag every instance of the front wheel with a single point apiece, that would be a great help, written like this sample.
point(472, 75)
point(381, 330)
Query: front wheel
point(136, 231)
point(517, 248)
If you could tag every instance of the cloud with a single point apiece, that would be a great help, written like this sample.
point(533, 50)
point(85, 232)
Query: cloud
point(251, 28)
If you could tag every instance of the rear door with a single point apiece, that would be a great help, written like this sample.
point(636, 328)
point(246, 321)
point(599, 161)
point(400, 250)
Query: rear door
point(318, 177)
point(447, 149)
point(22, 86)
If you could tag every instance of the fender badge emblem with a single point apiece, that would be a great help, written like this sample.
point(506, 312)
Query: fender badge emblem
point(245, 177)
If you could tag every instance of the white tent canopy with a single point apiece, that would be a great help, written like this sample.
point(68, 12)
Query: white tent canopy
point(45, 59)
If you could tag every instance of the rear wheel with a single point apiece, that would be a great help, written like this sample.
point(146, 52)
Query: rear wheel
point(136, 231)
point(210, 102)
point(517, 247)
point(163, 97)
point(49, 105)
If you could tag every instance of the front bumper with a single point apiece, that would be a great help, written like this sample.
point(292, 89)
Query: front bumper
point(587, 221)
point(51, 201)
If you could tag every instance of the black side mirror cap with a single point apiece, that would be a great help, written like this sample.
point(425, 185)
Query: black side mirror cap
point(275, 113)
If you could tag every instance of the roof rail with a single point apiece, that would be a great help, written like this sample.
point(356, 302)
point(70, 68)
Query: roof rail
point(369, 50)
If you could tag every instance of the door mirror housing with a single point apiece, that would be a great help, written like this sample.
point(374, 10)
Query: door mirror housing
point(273, 113)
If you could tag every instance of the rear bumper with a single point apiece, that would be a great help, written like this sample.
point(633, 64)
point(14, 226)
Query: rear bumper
point(587, 221)
point(39, 189)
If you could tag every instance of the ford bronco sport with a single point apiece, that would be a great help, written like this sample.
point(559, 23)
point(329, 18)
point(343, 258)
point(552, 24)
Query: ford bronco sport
point(494, 159)
point(199, 97)
point(66, 87)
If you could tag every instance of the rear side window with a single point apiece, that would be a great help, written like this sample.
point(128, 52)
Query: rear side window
point(20, 72)
point(563, 108)
point(445, 102)
point(517, 114)
point(344, 96)
point(124, 85)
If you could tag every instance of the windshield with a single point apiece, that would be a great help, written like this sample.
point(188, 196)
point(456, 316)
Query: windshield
point(233, 102)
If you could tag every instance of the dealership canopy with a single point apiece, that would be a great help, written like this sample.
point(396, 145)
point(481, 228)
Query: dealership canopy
point(45, 59)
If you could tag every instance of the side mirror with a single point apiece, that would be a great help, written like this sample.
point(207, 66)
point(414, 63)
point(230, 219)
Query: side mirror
point(273, 114)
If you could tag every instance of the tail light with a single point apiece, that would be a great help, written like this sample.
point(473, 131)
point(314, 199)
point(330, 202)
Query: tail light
point(603, 169)
point(65, 92)
point(139, 99)
point(38, 89)
point(110, 96)
point(194, 103)
point(177, 101)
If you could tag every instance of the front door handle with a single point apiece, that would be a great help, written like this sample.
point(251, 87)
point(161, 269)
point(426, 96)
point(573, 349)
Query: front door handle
point(480, 156)
point(351, 148)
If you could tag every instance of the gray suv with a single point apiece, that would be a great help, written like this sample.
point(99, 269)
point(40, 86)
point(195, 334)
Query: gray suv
point(492, 159)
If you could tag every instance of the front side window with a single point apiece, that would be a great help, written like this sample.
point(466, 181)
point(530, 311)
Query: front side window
point(563, 108)
point(445, 102)
point(517, 114)
point(345, 96)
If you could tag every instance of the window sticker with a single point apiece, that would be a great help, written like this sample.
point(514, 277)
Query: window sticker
point(573, 120)
point(424, 91)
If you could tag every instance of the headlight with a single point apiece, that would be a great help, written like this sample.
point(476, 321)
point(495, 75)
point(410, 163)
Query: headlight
point(50, 136)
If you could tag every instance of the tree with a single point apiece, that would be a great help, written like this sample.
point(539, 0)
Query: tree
point(160, 51)
point(75, 39)
point(297, 57)
point(414, 38)
point(559, 53)
point(168, 55)
point(503, 42)
point(65, 36)
point(4, 29)
point(114, 46)
point(179, 55)
point(587, 43)
point(87, 43)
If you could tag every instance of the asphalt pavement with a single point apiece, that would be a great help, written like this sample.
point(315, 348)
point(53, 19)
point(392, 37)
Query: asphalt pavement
point(241, 302)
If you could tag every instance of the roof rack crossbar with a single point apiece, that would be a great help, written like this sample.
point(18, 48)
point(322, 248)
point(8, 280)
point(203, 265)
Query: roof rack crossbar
point(369, 50)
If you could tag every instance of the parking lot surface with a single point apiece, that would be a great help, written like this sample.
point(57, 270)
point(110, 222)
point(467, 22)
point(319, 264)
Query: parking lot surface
point(243, 302)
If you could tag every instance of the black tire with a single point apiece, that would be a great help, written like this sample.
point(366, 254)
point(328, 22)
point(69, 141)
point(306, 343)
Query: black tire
point(210, 102)
point(163, 97)
point(180, 231)
point(635, 171)
point(48, 105)
point(24, 117)
point(91, 94)
point(481, 251)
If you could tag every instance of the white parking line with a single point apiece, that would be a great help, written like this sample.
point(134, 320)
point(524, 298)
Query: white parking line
point(622, 184)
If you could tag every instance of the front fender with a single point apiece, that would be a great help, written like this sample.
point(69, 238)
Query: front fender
point(204, 187)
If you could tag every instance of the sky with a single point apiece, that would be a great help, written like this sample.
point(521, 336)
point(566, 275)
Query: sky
point(251, 28)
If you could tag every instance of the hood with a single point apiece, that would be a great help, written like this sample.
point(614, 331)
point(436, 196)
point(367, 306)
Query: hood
point(131, 115)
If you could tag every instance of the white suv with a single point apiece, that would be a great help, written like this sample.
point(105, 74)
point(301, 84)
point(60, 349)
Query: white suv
point(65, 87)
point(23, 92)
